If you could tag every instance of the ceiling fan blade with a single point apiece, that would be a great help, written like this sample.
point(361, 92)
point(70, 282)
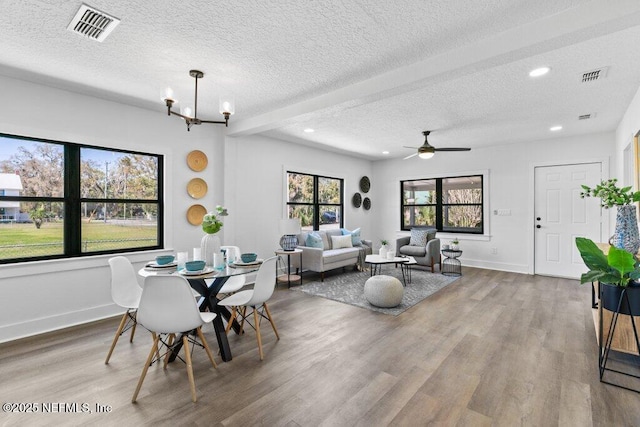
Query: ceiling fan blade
point(452, 149)
point(414, 148)
point(410, 156)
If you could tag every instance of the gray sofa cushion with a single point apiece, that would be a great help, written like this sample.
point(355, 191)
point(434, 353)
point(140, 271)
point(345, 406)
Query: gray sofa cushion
point(413, 250)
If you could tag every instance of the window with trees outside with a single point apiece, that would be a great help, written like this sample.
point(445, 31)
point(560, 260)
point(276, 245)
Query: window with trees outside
point(61, 199)
point(316, 200)
point(452, 204)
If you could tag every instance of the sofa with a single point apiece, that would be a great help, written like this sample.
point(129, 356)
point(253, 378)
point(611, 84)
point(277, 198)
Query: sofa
point(330, 249)
point(422, 245)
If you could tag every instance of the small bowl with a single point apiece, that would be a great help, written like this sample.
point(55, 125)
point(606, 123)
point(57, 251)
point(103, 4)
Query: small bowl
point(194, 265)
point(164, 259)
point(249, 257)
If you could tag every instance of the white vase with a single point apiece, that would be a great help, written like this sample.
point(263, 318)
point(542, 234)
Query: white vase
point(209, 246)
point(383, 251)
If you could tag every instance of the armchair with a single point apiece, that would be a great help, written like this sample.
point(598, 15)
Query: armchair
point(428, 254)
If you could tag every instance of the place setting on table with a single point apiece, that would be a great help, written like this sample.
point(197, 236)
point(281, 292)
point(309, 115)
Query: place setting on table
point(197, 273)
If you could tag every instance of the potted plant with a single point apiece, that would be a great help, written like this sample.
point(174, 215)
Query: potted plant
point(384, 248)
point(626, 234)
point(454, 244)
point(618, 273)
point(210, 243)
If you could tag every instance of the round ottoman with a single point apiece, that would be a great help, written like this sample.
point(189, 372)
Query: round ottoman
point(383, 291)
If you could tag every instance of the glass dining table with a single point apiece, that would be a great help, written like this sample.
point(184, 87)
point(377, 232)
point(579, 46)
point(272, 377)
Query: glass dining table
point(208, 283)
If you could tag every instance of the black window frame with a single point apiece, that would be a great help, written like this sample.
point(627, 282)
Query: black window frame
point(72, 202)
point(440, 205)
point(316, 203)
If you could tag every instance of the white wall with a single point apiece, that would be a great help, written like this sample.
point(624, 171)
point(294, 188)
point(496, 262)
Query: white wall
point(510, 187)
point(40, 296)
point(247, 176)
point(255, 170)
point(629, 127)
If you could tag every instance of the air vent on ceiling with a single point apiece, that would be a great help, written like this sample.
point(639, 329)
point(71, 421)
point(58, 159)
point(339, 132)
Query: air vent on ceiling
point(587, 116)
point(594, 75)
point(92, 23)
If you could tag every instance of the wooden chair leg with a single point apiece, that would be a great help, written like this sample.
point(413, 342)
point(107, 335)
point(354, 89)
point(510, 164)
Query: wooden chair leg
point(273, 324)
point(256, 319)
point(432, 270)
point(172, 336)
point(231, 319)
point(244, 316)
point(154, 348)
point(187, 354)
point(135, 323)
point(206, 347)
point(115, 339)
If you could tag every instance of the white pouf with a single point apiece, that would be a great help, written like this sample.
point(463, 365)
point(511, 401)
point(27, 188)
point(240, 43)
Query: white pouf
point(383, 291)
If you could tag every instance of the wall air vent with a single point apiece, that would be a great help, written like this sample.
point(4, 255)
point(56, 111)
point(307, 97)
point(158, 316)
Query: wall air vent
point(594, 75)
point(92, 23)
point(586, 116)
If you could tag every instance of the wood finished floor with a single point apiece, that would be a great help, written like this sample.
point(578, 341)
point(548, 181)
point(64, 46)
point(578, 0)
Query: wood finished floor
point(493, 348)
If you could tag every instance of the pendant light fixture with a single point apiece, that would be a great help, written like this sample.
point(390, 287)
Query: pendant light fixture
point(227, 107)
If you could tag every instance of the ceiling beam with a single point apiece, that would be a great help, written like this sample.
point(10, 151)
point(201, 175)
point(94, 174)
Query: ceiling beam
point(590, 20)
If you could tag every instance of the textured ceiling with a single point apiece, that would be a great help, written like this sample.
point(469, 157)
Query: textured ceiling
point(367, 75)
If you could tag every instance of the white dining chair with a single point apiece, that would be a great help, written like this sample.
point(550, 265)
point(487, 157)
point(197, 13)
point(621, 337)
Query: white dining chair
point(167, 308)
point(256, 299)
point(233, 283)
point(125, 291)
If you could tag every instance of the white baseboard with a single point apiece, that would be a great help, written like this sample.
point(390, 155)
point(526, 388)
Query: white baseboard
point(48, 324)
point(499, 266)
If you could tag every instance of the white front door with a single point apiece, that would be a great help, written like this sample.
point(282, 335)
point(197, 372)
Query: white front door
point(561, 215)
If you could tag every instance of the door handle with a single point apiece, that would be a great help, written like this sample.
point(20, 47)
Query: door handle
point(538, 219)
point(538, 226)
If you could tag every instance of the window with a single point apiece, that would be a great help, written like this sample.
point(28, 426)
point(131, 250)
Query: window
point(316, 200)
point(452, 204)
point(62, 200)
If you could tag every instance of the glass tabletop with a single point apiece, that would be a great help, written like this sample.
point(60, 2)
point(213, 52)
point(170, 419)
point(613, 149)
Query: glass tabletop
point(207, 273)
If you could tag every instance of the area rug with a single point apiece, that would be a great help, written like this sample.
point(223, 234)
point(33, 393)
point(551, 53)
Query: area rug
point(348, 288)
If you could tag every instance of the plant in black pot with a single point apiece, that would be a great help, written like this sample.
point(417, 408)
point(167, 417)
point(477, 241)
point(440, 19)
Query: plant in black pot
point(618, 273)
point(625, 235)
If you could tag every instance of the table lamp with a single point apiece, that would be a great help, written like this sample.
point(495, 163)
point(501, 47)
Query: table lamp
point(289, 228)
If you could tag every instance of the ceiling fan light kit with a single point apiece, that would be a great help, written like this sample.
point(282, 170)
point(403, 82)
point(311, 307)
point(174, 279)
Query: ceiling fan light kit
point(427, 151)
point(227, 107)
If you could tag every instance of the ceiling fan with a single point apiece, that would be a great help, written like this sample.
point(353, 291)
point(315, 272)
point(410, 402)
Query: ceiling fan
point(426, 150)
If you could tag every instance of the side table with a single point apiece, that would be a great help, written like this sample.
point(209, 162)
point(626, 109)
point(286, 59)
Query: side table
point(288, 278)
point(451, 265)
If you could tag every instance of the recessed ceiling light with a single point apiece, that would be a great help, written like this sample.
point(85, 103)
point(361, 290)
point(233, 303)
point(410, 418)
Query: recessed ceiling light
point(309, 130)
point(539, 72)
point(555, 128)
point(385, 152)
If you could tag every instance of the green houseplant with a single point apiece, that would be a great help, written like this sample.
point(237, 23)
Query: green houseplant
point(625, 235)
point(210, 243)
point(617, 272)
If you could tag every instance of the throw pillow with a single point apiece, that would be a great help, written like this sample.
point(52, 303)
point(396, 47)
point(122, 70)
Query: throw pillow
point(355, 236)
point(339, 242)
point(418, 237)
point(314, 241)
point(325, 239)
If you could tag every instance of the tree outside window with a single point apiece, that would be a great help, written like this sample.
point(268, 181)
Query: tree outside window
point(453, 204)
point(69, 199)
point(316, 200)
